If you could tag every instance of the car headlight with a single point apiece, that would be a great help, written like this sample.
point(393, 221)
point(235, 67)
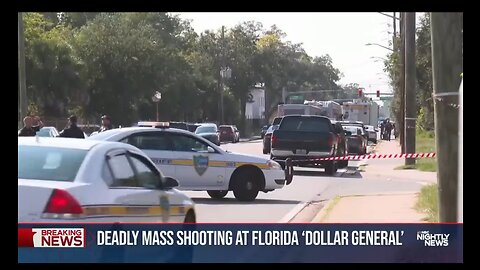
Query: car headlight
point(274, 165)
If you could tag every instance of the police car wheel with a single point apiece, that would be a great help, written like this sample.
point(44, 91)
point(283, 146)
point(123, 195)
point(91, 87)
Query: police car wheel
point(245, 187)
point(190, 217)
point(217, 194)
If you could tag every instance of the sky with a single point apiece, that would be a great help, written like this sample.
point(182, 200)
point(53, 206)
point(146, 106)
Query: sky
point(341, 35)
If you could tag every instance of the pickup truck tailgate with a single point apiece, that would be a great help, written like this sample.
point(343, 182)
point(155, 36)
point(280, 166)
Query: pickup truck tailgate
point(309, 141)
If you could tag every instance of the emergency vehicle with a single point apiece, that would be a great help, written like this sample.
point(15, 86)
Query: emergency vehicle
point(200, 165)
point(73, 180)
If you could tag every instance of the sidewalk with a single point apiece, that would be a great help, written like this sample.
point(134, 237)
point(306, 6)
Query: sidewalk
point(379, 208)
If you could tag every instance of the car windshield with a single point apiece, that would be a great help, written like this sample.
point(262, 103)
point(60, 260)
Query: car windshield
point(272, 128)
point(44, 132)
point(49, 163)
point(208, 129)
point(353, 129)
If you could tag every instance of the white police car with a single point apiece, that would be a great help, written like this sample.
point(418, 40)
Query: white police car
point(199, 164)
point(65, 180)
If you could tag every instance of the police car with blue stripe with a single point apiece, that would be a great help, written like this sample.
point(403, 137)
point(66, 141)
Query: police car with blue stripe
point(67, 180)
point(200, 165)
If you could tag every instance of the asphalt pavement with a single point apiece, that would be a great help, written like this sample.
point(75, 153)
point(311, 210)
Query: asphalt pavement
point(300, 201)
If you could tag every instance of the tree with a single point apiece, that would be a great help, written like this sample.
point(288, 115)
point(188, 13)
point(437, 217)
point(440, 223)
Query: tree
point(53, 80)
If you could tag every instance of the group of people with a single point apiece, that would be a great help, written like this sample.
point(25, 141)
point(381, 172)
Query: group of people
point(386, 128)
point(33, 124)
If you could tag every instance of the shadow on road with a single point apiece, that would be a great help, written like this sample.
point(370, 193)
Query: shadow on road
point(236, 202)
point(348, 174)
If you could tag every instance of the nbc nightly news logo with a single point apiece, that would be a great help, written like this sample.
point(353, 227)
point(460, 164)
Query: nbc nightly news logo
point(51, 237)
point(433, 239)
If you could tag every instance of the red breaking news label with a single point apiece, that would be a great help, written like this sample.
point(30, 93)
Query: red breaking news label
point(51, 237)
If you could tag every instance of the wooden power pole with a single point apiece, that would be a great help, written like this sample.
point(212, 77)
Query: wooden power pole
point(402, 82)
point(447, 66)
point(410, 83)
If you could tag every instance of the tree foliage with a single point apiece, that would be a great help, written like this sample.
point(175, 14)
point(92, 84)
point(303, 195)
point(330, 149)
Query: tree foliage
point(95, 63)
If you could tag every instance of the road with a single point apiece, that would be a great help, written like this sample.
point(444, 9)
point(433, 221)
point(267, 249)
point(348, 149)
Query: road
point(309, 184)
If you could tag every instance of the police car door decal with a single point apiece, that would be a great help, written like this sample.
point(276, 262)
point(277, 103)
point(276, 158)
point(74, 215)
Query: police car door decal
point(200, 163)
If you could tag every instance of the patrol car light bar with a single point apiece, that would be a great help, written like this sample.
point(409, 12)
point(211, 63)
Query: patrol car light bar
point(154, 124)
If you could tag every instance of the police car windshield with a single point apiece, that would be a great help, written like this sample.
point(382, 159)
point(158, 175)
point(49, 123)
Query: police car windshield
point(206, 129)
point(49, 163)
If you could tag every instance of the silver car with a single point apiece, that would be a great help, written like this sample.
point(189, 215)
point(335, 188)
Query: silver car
point(372, 133)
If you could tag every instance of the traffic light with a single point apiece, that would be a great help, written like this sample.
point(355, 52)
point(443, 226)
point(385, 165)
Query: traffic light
point(360, 92)
point(378, 93)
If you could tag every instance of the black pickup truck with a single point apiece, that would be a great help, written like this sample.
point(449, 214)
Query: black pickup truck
point(305, 137)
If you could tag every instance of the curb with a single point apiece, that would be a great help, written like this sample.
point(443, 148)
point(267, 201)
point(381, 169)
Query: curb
point(323, 212)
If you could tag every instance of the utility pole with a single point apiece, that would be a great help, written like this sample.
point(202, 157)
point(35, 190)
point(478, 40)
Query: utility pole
point(402, 81)
point(21, 68)
point(447, 65)
point(221, 76)
point(410, 82)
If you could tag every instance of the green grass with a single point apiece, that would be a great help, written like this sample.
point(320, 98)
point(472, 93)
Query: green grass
point(331, 205)
point(428, 202)
point(425, 143)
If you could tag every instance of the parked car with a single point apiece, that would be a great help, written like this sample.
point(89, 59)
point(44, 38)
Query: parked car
point(237, 132)
point(227, 134)
point(48, 132)
point(342, 142)
point(179, 125)
point(357, 139)
point(71, 180)
point(372, 133)
point(192, 127)
point(267, 139)
point(264, 130)
point(209, 132)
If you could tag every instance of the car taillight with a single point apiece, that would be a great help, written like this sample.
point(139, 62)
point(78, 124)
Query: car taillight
point(273, 140)
point(61, 202)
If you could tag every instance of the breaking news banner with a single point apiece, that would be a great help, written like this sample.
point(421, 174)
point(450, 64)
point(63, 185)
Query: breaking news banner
point(242, 243)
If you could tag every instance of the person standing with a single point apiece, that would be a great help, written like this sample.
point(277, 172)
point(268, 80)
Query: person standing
point(106, 123)
point(28, 128)
point(72, 131)
point(382, 130)
point(388, 129)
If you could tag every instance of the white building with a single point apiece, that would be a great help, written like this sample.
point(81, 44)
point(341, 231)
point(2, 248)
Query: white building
point(255, 107)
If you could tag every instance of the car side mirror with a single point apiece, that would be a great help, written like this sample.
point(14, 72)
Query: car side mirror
point(210, 149)
point(169, 182)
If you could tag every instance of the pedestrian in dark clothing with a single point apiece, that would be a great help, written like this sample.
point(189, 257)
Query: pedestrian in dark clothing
point(388, 130)
point(106, 124)
point(28, 128)
point(382, 129)
point(72, 131)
